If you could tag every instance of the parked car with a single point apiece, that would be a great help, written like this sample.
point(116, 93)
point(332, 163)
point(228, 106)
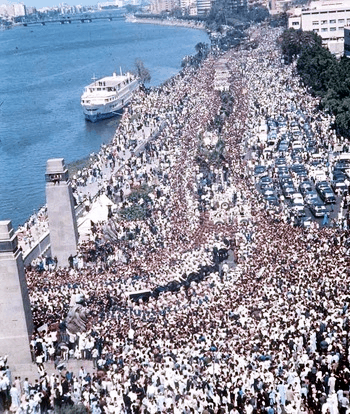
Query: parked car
point(283, 146)
point(311, 198)
point(259, 169)
point(318, 209)
point(325, 192)
point(321, 185)
point(298, 208)
point(328, 196)
point(305, 222)
point(339, 186)
point(266, 179)
point(272, 199)
point(305, 187)
point(280, 161)
point(288, 190)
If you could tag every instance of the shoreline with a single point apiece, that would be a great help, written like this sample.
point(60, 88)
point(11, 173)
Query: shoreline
point(167, 22)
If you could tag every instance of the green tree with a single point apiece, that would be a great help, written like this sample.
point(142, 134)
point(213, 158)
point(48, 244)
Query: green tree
point(293, 42)
point(142, 72)
point(317, 68)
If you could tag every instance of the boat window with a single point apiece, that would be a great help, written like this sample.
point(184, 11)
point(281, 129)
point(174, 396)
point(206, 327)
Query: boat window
point(98, 89)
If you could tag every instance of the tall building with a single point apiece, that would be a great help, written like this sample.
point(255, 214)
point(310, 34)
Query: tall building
point(347, 41)
point(203, 7)
point(235, 6)
point(159, 6)
point(12, 10)
point(327, 19)
point(189, 6)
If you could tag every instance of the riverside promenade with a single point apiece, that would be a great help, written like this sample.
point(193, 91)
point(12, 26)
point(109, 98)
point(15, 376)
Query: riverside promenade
point(168, 22)
point(260, 334)
point(33, 237)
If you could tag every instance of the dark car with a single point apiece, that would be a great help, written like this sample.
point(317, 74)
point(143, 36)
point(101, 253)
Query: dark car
point(288, 190)
point(282, 170)
point(298, 209)
point(318, 209)
point(305, 187)
point(311, 198)
point(286, 180)
point(342, 165)
point(305, 222)
point(264, 186)
point(283, 146)
point(322, 185)
point(339, 186)
point(339, 175)
point(265, 179)
point(299, 169)
point(272, 199)
point(280, 161)
point(259, 169)
point(327, 196)
point(296, 157)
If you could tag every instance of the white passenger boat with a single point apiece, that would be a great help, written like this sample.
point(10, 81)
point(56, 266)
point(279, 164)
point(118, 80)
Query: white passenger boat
point(107, 96)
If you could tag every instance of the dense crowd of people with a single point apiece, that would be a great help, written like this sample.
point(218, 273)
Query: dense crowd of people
point(254, 316)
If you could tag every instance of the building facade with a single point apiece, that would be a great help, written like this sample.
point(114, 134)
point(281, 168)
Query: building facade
point(203, 7)
point(159, 6)
point(327, 19)
point(12, 10)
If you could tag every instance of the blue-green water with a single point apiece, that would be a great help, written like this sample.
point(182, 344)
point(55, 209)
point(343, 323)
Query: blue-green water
point(43, 70)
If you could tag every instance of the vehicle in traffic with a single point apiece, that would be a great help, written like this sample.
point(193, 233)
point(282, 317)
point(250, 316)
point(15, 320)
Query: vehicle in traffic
point(259, 169)
point(318, 209)
point(305, 187)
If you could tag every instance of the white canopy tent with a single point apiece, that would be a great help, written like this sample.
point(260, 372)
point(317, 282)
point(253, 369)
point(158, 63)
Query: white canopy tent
point(98, 213)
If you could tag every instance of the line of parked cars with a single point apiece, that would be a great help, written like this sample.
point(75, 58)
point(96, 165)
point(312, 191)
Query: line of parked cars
point(288, 178)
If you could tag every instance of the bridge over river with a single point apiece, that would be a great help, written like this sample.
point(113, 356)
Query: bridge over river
point(72, 19)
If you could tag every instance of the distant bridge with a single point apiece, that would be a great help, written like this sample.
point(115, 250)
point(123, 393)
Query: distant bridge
point(69, 20)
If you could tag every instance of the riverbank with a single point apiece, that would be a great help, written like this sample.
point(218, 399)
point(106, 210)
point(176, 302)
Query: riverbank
point(168, 22)
point(38, 134)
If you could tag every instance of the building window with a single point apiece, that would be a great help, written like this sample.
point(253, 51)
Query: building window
point(324, 21)
point(316, 30)
point(332, 21)
point(315, 23)
point(341, 28)
point(340, 20)
point(324, 29)
point(295, 23)
point(332, 29)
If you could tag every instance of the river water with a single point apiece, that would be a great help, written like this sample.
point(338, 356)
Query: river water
point(43, 71)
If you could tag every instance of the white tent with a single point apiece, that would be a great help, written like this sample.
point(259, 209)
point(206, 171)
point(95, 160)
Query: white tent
point(98, 213)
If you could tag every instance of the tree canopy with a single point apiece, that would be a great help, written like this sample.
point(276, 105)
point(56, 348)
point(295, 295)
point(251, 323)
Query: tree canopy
point(142, 72)
point(326, 76)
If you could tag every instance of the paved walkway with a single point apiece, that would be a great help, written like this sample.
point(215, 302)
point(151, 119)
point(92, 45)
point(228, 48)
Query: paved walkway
point(28, 239)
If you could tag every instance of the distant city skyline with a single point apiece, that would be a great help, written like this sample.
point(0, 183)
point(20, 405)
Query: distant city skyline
point(38, 4)
point(51, 3)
